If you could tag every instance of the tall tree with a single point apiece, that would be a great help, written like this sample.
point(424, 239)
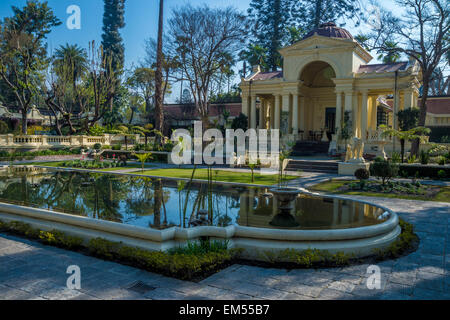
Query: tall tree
point(66, 92)
point(159, 100)
point(312, 13)
point(420, 33)
point(270, 21)
point(112, 43)
point(205, 39)
point(143, 82)
point(23, 53)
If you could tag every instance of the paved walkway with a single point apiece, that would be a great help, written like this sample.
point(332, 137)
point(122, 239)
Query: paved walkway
point(29, 270)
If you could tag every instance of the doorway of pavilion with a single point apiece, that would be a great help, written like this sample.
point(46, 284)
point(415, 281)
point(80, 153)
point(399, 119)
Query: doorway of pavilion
point(320, 114)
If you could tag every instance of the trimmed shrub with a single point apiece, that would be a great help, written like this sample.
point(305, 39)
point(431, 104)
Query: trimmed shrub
point(383, 169)
point(441, 174)
point(362, 174)
point(98, 146)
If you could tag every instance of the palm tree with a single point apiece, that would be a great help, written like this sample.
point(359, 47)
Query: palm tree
point(159, 121)
point(392, 56)
point(70, 61)
point(407, 135)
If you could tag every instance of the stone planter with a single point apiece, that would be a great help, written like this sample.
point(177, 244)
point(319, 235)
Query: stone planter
point(285, 198)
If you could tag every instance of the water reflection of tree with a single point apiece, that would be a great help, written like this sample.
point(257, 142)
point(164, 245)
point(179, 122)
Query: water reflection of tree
point(160, 198)
point(86, 194)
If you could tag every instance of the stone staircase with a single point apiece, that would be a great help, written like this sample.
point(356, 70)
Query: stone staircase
point(310, 148)
point(313, 166)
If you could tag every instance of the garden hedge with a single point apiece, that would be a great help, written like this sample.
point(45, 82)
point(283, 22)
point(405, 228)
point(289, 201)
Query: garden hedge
point(194, 262)
point(425, 171)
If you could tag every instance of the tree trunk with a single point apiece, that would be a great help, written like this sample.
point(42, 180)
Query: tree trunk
point(402, 149)
point(24, 122)
point(422, 114)
point(159, 112)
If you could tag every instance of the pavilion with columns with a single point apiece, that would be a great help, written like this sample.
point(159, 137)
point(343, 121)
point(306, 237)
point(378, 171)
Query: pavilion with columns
point(326, 80)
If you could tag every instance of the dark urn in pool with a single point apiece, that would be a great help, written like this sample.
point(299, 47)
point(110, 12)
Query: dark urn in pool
point(285, 197)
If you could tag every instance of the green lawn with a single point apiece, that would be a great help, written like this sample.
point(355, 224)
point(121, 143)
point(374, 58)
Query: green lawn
point(218, 175)
point(333, 185)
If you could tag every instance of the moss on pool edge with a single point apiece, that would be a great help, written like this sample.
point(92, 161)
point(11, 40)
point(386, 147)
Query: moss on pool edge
point(196, 267)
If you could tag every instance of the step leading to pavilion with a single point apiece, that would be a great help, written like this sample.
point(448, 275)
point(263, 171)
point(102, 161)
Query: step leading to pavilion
point(313, 166)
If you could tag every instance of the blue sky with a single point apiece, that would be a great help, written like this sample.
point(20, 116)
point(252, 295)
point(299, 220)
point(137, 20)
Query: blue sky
point(141, 18)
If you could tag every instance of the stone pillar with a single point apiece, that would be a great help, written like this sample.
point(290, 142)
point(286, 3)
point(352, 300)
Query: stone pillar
point(349, 108)
point(284, 123)
point(408, 99)
point(245, 104)
point(364, 114)
point(356, 115)
point(374, 113)
point(262, 108)
point(295, 114)
point(277, 114)
point(303, 116)
point(253, 112)
point(338, 112)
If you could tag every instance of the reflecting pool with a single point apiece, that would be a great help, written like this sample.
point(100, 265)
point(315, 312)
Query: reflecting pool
point(164, 203)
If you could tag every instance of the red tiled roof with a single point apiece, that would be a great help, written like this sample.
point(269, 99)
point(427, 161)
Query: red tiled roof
point(383, 67)
point(439, 105)
point(330, 30)
point(435, 105)
point(268, 75)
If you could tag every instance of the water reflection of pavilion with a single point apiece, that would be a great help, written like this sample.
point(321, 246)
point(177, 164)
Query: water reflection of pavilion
point(257, 210)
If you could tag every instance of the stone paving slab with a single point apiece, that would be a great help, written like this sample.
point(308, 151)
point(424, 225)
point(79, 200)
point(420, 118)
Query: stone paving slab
point(30, 270)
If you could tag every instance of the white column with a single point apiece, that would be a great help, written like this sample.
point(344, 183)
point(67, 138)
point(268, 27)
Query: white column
point(253, 113)
point(356, 115)
point(348, 105)
point(277, 114)
point(374, 112)
point(302, 113)
point(245, 105)
point(338, 112)
point(408, 99)
point(262, 108)
point(295, 114)
point(364, 114)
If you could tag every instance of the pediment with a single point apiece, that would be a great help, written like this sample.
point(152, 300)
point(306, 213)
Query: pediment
point(318, 43)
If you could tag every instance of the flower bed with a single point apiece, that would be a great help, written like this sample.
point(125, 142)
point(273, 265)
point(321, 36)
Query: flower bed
point(391, 187)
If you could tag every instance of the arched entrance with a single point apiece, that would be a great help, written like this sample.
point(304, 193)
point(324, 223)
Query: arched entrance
point(318, 90)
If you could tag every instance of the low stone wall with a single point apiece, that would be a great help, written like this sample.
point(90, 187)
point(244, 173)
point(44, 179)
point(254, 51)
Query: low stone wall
point(358, 241)
point(41, 142)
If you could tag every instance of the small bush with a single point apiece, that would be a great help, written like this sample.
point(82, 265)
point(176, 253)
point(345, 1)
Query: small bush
point(396, 157)
point(383, 169)
point(441, 174)
point(117, 147)
point(424, 157)
point(362, 174)
point(442, 161)
point(98, 146)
